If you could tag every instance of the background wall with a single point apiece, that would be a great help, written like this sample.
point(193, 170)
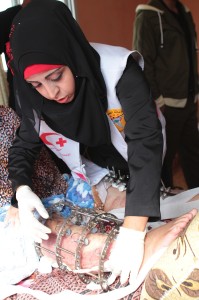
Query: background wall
point(111, 21)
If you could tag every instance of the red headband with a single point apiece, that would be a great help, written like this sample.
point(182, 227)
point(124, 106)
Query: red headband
point(35, 69)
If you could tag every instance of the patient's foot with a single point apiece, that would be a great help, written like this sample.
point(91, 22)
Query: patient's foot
point(164, 235)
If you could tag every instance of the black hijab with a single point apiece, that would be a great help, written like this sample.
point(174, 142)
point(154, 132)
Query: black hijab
point(45, 32)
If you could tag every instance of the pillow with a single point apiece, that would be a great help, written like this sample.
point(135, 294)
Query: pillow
point(176, 274)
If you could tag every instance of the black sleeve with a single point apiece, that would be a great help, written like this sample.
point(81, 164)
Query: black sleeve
point(6, 18)
point(143, 135)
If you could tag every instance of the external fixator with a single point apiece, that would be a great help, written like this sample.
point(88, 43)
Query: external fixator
point(91, 221)
point(116, 179)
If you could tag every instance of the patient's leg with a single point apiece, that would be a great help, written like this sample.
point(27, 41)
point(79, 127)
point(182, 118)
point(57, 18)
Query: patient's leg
point(194, 198)
point(116, 199)
point(90, 252)
point(155, 240)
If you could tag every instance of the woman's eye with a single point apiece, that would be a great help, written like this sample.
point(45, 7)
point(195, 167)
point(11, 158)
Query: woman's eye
point(57, 77)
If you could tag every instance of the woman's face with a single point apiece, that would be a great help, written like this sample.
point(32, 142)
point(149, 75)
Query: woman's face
point(56, 84)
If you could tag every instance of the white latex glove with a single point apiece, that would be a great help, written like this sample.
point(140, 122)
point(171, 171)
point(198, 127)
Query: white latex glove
point(127, 255)
point(28, 202)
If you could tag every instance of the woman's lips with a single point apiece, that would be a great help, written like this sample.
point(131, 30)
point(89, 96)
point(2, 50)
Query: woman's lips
point(65, 99)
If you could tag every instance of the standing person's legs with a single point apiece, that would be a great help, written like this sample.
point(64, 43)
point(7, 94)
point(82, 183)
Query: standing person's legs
point(189, 147)
point(174, 126)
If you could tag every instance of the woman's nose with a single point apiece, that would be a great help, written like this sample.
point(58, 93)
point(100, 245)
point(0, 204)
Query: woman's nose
point(52, 91)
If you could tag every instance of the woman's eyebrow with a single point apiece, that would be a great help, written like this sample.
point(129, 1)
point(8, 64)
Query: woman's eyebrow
point(32, 81)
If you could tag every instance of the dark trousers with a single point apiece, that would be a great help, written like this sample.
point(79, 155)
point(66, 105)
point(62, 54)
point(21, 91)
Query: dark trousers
point(183, 138)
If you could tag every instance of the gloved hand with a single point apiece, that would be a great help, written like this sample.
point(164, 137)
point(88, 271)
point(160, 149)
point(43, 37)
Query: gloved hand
point(28, 202)
point(127, 255)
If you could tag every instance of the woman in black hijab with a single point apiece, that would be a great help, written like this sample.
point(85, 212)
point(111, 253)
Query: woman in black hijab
point(68, 104)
